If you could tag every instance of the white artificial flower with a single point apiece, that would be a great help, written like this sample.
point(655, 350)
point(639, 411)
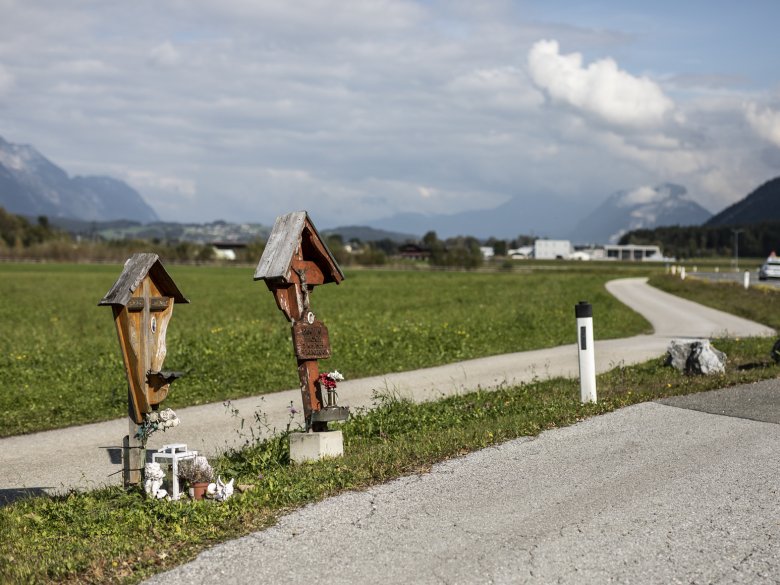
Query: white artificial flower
point(167, 414)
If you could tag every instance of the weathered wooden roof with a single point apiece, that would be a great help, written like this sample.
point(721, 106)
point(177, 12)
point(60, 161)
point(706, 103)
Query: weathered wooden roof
point(135, 270)
point(282, 244)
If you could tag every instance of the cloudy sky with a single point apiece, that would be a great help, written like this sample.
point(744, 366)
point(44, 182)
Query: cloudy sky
point(357, 110)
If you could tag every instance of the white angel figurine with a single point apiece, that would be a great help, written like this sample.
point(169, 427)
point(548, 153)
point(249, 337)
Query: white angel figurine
point(221, 491)
point(154, 478)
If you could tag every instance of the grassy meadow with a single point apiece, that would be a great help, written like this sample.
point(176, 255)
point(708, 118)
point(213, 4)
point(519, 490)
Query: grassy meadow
point(60, 363)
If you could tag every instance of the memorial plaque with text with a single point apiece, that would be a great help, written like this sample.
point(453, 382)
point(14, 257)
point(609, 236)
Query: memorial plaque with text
point(311, 340)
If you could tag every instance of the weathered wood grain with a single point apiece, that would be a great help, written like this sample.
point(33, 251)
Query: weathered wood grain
point(295, 235)
point(135, 270)
point(282, 244)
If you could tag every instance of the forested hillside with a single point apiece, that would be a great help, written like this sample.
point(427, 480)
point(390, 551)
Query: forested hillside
point(756, 240)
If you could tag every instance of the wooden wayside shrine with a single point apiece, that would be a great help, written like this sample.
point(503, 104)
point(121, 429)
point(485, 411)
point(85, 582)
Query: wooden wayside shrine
point(142, 301)
point(295, 260)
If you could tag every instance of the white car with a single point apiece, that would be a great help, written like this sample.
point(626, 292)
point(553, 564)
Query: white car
point(770, 269)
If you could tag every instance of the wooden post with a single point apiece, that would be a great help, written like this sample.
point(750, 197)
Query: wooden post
point(311, 395)
point(133, 455)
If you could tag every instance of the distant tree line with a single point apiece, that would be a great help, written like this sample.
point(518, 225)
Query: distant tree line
point(756, 240)
point(459, 252)
point(356, 252)
point(21, 238)
point(17, 231)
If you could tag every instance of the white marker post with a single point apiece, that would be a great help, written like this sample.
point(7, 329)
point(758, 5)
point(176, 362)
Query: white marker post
point(682, 273)
point(584, 312)
point(747, 279)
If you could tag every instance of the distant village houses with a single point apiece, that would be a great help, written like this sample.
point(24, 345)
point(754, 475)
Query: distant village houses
point(227, 250)
point(413, 252)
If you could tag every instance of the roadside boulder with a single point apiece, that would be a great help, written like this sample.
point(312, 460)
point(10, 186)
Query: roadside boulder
point(696, 357)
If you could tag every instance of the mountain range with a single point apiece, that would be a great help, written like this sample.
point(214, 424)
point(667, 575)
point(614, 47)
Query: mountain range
point(32, 185)
point(760, 205)
point(548, 216)
point(646, 207)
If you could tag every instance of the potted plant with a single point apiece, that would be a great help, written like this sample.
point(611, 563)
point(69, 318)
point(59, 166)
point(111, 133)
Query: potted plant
point(197, 472)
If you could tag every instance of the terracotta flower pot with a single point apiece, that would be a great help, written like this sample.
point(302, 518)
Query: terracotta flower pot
point(198, 489)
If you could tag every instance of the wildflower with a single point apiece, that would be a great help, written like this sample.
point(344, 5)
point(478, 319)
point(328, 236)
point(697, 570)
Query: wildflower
point(292, 410)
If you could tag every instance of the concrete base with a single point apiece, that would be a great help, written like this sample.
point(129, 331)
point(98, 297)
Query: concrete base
point(316, 446)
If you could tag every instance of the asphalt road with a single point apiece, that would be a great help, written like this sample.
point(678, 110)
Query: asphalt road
point(654, 493)
point(738, 277)
point(90, 456)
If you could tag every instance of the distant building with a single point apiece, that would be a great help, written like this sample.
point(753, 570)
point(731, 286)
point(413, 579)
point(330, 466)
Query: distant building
point(413, 252)
point(226, 250)
point(580, 255)
point(552, 249)
point(521, 253)
point(487, 252)
point(633, 253)
point(592, 253)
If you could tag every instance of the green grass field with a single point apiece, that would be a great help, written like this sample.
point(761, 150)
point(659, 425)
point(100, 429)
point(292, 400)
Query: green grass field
point(60, 363)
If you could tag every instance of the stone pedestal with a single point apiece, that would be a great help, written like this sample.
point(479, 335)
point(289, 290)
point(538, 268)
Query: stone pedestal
point(315, 446)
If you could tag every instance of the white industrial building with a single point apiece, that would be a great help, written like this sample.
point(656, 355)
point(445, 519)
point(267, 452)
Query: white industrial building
point(487, 252)
point(634, 253)
point(521, 253)
point(552, 249)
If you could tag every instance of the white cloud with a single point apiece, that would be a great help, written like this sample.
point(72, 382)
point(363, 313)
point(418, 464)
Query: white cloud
point(764, 121)
point(147, 179)
point(600, 89)
point(501, 87)
point(641, 196)
point(308, 16)
point(425, 192)
point(6, 80)
point(83, 67)
point(165, 55)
